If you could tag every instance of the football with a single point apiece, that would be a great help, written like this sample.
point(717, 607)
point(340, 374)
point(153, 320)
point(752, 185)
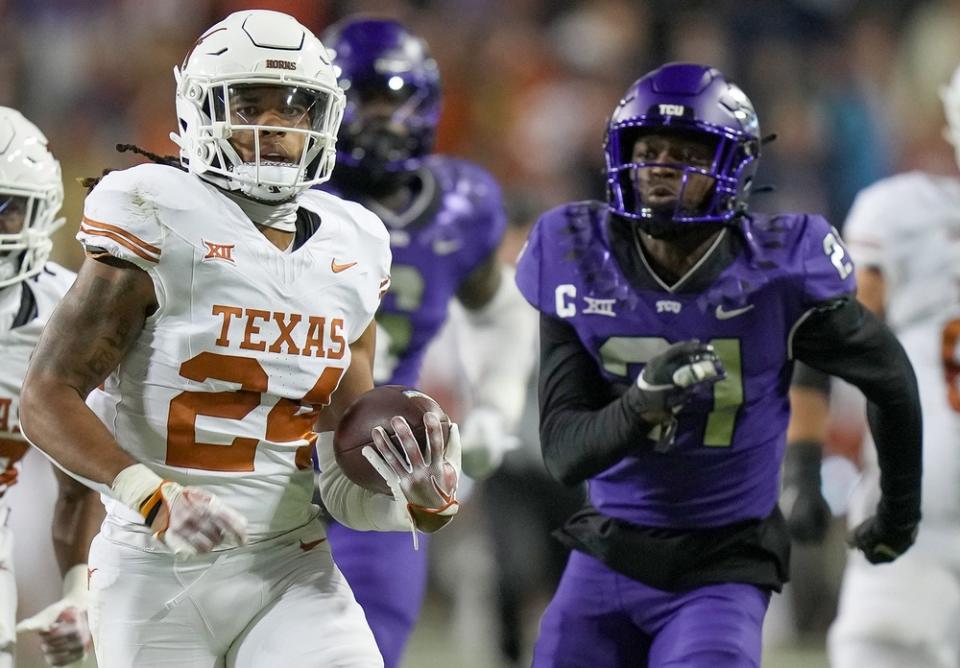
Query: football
point(376, 408)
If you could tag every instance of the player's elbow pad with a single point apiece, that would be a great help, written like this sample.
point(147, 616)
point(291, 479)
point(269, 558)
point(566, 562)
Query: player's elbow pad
point(352, 505)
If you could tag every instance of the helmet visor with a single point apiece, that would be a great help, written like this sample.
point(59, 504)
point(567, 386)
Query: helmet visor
point(666, 173)
point(271, 105)
point(277, 135)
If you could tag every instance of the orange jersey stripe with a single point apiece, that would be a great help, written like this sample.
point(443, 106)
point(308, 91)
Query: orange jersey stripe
point(129, 236)
point(126, 244)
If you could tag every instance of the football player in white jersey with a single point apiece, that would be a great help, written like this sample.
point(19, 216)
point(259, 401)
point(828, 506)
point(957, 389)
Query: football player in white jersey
point(31, 192)
point(222, 309)
point(904, 234)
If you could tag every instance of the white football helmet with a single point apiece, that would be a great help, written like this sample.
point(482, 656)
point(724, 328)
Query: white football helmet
point(950, 95)
point(31, 193)
point(245, 54)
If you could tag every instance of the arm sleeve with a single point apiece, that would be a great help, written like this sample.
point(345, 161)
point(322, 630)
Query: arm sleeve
point(352, 505)
point(584, 426)
point(809, 378)
point(844, 339)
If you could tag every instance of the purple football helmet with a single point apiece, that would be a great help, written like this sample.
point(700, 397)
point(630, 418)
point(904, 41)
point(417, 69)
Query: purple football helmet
point(689, 101)
point(382, 65)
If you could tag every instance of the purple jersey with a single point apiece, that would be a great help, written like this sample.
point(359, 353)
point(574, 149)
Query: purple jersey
point(453, 225)
point(725, 465)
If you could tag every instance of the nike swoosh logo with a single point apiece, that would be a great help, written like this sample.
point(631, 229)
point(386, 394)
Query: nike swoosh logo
point(337, 268)
point(306, 547)
point(726, 315)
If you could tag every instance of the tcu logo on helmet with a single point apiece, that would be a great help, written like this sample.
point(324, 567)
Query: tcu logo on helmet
point(671, 109)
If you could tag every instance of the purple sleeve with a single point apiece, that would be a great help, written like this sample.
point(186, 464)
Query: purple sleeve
point(828, 271)
point(528, 268)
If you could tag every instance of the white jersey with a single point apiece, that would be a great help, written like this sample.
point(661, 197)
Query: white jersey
point(222, 388)
point(908, 227)
point(25, 308)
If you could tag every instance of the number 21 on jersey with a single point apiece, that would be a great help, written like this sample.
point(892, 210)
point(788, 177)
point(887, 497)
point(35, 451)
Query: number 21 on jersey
point(619, 351)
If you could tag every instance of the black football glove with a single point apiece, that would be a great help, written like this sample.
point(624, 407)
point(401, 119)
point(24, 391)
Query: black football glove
point(667, 382)
point(807, 513)
point(883, 537)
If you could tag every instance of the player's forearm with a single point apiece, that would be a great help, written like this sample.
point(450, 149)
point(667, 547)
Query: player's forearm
point(352, 505)
point(76, 520)
point(578, 445)
point(57, 421)
point(584, 427)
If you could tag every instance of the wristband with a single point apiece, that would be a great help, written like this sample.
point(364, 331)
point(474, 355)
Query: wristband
point(449, 509)
point(138, 487)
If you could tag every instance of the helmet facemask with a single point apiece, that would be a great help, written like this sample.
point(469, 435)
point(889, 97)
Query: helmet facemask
point(26, 223)
point(668, 178)
point(389, 126)
point(267, 139)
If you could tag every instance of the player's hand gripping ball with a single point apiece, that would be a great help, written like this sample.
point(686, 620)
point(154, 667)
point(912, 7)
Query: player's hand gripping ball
point(374, 409)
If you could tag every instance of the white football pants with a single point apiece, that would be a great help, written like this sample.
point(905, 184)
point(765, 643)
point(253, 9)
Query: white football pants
point(277, 603)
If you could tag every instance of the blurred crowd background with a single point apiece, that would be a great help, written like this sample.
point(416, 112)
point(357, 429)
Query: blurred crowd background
point(849, 87)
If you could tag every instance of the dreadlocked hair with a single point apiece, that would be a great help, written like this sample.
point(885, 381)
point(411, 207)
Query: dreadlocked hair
point(89, 182)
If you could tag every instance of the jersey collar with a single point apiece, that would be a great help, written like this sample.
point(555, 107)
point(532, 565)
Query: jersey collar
point(626, 248)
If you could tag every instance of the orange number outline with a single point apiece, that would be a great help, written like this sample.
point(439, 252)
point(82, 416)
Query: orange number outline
point(286, 421)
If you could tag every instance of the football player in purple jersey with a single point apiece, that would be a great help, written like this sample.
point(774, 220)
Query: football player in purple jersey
point(446, 220)
point(670, 320)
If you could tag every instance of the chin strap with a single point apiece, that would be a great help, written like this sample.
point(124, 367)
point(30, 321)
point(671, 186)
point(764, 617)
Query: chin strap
point(281, 217)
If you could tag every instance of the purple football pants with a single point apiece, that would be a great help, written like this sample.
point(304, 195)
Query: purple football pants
point(599, 618)
point(388, 578)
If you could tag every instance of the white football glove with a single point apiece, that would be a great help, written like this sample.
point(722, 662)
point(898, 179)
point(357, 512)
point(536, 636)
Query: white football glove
point(485, 441)
point(428, 482)
point(188, 520)
point(64, 632)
